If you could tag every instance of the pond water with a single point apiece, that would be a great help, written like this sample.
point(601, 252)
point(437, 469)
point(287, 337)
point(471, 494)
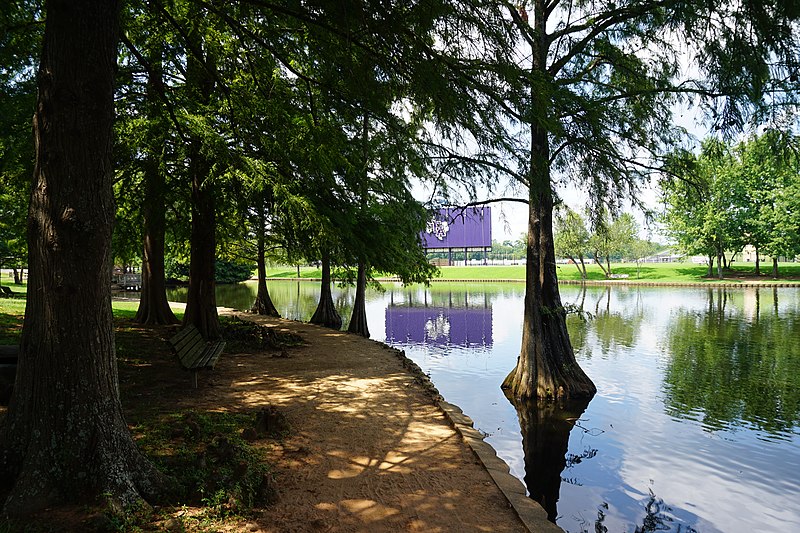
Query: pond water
point(696, 423)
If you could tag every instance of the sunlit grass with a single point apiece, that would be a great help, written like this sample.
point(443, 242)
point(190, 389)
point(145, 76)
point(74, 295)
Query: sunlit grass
point(12, 311)
point(647, 272)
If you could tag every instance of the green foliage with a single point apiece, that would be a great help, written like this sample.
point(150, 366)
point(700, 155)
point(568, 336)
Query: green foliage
point(728, 197)
point(20, 41)
point(507, 249)
point(226, 271)
point(205, 453)
point(229, 272)
point(246, 336)
point(571, 239)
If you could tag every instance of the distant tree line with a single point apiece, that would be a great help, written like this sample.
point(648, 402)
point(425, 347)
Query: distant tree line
point(614, 238)
point(730, 195)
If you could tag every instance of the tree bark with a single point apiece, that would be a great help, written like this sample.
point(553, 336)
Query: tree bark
point(64, 438)
point(358, 320)
point(775, 268)
point(153, 304)
point(263, 303)
point(326, 313)
point(599, 262)
point(546, 366)
point(201, 300)
point(758, 263)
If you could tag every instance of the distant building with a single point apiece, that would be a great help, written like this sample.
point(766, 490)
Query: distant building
point(665, 256)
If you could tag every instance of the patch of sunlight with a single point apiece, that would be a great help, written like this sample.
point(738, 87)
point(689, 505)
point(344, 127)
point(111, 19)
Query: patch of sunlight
point(359, 464)
point(368, 510)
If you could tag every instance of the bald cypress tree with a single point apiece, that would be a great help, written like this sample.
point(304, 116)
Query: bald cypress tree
point(64, 438)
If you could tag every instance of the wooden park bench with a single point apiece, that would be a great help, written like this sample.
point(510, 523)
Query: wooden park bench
point(6, 292)
point(194, 352)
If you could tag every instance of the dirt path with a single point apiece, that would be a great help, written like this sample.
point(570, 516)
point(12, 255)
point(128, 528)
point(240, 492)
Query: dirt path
point(369, 451)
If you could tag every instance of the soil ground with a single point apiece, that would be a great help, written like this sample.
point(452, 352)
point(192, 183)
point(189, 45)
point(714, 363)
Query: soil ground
point(369, 449)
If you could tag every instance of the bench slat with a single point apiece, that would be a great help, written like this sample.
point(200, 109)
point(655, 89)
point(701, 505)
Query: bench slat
point(197, 344)
point(190, 359)
point(182, 334)
point(188, 340)
point(193, 352)
point(210, 355)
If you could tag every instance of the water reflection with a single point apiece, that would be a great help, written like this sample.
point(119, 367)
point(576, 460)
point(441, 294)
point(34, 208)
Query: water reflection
point(546, 426)
point(696, 425)
point(728, 371)
point(457, 323)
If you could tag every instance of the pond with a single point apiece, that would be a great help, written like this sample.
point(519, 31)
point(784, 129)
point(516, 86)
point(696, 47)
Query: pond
point(696, 423)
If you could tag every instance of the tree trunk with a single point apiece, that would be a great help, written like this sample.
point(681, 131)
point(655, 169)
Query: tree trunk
point(710, 271)
point(583, 269)
point(201, 300)
point(326, 313)
point(153, 304)
point(358, 320)
point(18, 275)
point(64, 438)
point(546, 366)
point(599, 262)
point(719, 264)
point(545, 429)
point(263, 304)
point(774, 268)
point(608, 265)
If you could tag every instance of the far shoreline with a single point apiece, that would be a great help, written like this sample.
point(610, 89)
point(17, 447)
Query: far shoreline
point(712, 283)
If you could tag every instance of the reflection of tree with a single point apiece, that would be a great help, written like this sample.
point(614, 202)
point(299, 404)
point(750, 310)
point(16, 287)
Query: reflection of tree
point(732, 369)
point(446, 295)
point(657, 517)
point(545, 436)
point(611, 328)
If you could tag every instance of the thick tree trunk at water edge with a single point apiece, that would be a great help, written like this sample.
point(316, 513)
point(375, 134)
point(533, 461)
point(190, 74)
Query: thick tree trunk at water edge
point(201, 300)
point(546, 367)
point(153, 305)
point(64, 438)
point(326, 313)
point(358, 320)
point(263, 303)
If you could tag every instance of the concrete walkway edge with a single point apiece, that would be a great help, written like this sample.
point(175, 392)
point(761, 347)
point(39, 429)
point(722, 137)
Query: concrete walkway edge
point(531, 513)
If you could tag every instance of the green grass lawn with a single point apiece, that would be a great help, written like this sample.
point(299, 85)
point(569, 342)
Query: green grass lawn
point(646, 272)
point(284, 271)
point(12, 311)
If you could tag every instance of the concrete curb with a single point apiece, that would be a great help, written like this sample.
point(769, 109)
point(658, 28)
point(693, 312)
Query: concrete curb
point(531, 513)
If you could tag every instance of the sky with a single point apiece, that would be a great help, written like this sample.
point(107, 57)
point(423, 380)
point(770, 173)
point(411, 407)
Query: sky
point(509, 219)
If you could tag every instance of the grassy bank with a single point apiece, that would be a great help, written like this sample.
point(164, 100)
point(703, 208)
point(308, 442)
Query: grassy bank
point(12, 310)
point(646, 272)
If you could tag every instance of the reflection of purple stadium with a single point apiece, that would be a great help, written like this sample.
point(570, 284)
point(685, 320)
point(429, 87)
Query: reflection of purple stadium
point(439, 326)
